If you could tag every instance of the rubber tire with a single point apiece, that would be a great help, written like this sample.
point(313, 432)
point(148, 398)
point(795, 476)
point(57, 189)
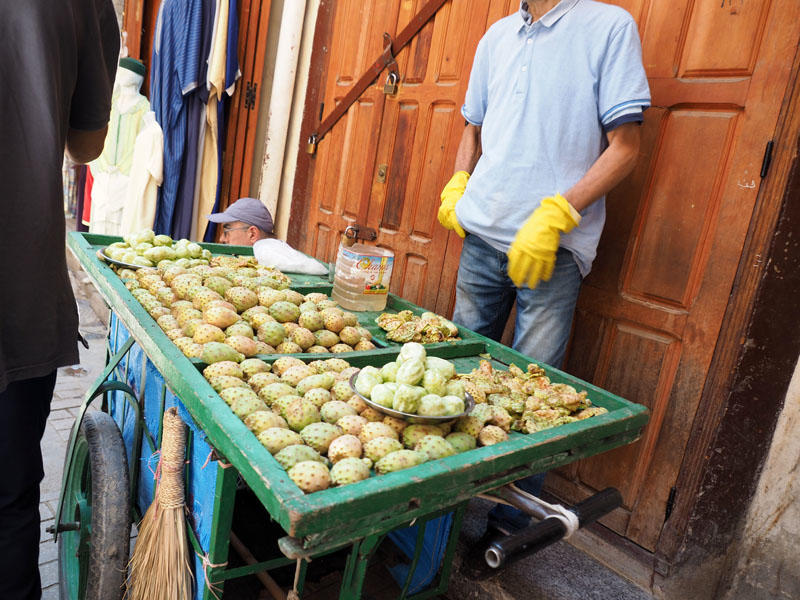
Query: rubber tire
point(101, 474)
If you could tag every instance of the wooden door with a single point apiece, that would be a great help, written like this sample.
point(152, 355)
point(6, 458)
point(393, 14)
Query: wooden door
point(650, 312)
point(385, 162)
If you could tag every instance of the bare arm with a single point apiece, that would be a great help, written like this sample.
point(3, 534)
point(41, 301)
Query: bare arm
point(469, 149)
point(85, 146)
point(610, 168)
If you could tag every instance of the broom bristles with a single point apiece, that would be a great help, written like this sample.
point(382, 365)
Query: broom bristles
point(159, 567)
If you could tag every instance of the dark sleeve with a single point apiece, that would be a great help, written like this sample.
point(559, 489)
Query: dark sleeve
point(98, 53)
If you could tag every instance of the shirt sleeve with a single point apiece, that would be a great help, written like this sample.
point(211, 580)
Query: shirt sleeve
point(98, 53)
point(623, 92)
point(475, 102)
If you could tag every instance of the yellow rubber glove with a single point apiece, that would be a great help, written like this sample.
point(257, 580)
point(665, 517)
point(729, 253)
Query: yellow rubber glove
point(451, 194)
point(532, 254)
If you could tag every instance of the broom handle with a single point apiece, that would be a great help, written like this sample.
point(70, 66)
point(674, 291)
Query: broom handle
point(173, 448)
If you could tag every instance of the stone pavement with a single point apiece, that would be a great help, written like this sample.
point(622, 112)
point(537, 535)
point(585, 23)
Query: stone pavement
point(71, 385)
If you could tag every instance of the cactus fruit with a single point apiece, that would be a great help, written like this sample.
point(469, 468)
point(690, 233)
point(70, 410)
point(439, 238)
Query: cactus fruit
point(363, 345)
point(344, 446)
point(414, 433)
point(244, 406)
point(284, 363)
point(284, 311)
point(276, 439)
point(334, 410)
point(370, 414)
point(397, 424)
point(291, 455)
point(205, 332)
point(232, 393)
point(310, 476)
point(352, 424)
point(376, 429)
point(434, 446)
point(470, 425)
point(300, 413)
point(287, 347)
point(259, 381)
point(339, 348)
point(261, 420)
point(326, 338)
point(267, 296)
point(216, 351)
point(310, 320)
point(272, 333)
point(225, 367)
point(242, 344)
point(378, 447)
point(252, 366)
point(294, 375)
point(272, 391)
point(349, 470)
point(240, 328)
point(461, 442)
point(318, 396)
point(399, 459)
point(320, 435)
point(220, 382)
point(241, 298)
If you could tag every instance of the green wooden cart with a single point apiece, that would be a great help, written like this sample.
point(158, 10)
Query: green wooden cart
point(357, 516)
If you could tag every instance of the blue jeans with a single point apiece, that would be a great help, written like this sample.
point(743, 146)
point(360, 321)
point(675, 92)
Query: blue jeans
point(484, 298)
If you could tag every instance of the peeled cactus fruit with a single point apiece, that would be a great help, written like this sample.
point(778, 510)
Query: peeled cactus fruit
point(378, 447)
point(320, 435)
point(216, 351)
point(349, 470)
point(225, 367)
point(261, 420)
point(344, 446)
point(400, 459)
point(291, 455)
point(491, 434)
point(434, 446)
point(276, 439)
point(310, 476)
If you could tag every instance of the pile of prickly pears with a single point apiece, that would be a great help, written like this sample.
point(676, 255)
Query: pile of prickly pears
point(233, 308)
point(307, 416)
point(427, 328)
point(146, 249)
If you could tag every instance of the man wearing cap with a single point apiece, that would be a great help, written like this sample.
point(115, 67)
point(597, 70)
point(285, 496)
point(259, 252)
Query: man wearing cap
point(244, 222)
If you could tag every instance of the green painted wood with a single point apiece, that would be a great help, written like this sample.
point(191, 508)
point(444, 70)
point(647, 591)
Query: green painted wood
point(378, 504)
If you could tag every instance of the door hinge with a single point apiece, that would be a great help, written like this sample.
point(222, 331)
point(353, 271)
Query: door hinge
point(670, 502)
point(250, 95)
point(767, 161)
point(321, 109)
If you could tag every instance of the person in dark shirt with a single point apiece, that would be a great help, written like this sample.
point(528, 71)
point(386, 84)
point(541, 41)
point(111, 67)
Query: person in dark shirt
point(57, 62)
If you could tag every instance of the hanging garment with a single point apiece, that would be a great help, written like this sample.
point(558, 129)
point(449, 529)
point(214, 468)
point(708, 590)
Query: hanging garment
point(112, 168)
point(86, 213)
point(175, 66)
point(147, 173)
point(223, 71)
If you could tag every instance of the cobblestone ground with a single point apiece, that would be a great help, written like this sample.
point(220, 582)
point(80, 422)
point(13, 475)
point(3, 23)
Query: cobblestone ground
point(71, 385)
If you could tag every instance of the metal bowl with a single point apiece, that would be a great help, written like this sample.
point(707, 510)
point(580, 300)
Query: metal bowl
point(101, 254)
point(469, 404)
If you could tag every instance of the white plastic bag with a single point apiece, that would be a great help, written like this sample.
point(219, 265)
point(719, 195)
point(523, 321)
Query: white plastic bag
point(273, 252)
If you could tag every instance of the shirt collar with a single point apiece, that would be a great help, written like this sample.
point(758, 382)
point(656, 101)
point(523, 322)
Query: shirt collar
point(549, 18)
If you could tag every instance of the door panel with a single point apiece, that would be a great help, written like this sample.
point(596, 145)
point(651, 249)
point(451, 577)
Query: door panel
point(651, 309)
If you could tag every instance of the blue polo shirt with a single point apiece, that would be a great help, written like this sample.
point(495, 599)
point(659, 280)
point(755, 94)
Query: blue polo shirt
point(545, 94)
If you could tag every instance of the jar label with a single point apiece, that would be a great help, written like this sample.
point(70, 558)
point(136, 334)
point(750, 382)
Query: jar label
point(376, 271)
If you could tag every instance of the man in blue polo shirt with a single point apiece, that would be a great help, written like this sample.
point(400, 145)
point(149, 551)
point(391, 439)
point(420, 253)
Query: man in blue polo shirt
point(553, 108)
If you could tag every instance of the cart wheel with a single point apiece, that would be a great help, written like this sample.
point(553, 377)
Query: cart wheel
point(93, 551)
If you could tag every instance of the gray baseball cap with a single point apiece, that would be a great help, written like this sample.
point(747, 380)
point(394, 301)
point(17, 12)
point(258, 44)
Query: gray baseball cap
point(246, 210)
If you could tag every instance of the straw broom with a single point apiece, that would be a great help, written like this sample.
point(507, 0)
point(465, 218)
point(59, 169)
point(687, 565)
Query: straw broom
point(160, 568)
